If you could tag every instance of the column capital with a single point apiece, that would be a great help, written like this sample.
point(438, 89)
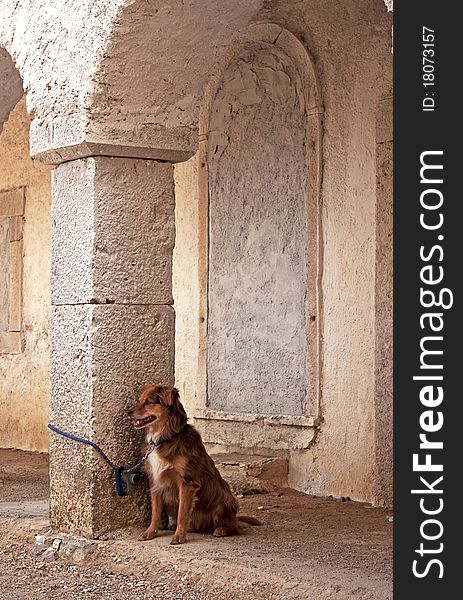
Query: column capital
point(57, 139)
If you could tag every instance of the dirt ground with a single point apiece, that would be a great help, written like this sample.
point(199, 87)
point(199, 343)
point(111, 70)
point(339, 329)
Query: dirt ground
point(23, 475)
point(307, 548)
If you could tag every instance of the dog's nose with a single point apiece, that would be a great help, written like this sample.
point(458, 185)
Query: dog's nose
point(129, 412)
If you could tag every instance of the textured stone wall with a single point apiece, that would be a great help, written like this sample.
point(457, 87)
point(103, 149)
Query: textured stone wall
point(112, 327)
point(114, 233)
point(24, 376)
point(257, 164)
point(353, 58)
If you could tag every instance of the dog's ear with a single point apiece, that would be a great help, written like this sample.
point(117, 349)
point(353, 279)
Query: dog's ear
point(171, 396)
point(145, 386)
point(177, 415)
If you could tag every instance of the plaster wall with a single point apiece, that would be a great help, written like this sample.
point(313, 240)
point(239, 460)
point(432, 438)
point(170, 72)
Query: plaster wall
point(186, 282)
point(257, 165)
point(384, 293)
point(24, 377)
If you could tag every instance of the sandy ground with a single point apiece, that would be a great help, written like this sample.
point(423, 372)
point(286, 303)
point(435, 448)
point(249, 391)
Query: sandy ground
point(307, 548)
point(23, 475)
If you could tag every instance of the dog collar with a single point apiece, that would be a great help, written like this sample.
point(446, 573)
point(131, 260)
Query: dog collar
point(152, 444)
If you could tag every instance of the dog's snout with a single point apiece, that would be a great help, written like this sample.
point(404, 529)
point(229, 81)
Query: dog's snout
point(129, 412)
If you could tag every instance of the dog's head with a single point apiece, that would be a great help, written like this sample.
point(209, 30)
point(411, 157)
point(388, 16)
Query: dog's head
point(159, 409)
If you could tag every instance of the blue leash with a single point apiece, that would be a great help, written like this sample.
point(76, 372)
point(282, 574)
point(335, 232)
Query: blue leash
point(119, 472)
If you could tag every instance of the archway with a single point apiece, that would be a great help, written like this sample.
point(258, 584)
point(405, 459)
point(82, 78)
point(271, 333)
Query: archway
point(25, 196)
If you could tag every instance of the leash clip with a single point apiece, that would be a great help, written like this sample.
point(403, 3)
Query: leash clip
point(126, 481)
point(118, 473)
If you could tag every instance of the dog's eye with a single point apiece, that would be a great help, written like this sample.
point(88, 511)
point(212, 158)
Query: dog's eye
point(151, 401)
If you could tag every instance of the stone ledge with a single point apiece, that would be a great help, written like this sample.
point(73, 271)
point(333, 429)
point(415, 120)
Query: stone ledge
point(294, 420)
point(59, 139)
point(56, 156)
point(252, 474)
point(256, 432)
point(258, 435)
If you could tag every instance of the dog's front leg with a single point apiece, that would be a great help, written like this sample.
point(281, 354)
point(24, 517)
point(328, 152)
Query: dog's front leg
point(156, 514)
point(187, 498)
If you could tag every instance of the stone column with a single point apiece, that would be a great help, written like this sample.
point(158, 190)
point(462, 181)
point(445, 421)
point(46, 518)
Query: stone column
point(112, 327)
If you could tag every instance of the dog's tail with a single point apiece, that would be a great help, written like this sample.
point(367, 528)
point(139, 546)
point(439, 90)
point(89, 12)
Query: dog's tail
point(248, 520)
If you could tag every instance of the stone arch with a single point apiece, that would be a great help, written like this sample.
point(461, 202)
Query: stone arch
point(84, 77)
point(121, 77)
point(157, 58)
point(24, 273)
point(268, 68)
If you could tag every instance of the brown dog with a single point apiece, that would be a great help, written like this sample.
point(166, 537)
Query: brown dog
point(183, 478)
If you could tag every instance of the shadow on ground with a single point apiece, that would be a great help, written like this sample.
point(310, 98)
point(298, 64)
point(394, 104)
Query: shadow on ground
point(307, 548)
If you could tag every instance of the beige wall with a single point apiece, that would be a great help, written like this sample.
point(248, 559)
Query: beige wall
point(350, 43)
point(186, 282)
point(24, 377)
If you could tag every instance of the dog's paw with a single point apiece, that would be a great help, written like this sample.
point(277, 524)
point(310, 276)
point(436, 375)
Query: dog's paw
point(220, 532)
point(178, 539)
point(149, 534)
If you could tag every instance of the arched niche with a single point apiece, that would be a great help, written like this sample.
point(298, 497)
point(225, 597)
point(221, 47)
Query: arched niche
point(261, 132)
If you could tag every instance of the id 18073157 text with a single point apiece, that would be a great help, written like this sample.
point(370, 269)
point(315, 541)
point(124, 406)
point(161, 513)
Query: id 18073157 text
point(428, 68)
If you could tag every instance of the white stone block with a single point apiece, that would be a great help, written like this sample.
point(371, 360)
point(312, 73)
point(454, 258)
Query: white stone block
point(101, 356)
point(113, 232)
